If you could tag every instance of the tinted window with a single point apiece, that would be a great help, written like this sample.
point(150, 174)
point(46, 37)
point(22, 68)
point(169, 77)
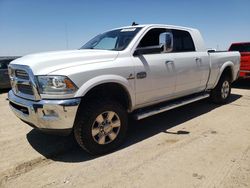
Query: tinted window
point(151, 38)
point(4, 64)
point(240, 47)
point(183, 41)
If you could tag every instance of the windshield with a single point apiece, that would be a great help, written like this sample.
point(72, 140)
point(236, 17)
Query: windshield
point(112, 40)
point(245, 47)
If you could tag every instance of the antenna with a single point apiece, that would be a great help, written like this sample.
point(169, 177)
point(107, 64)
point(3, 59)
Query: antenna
point(134, 24)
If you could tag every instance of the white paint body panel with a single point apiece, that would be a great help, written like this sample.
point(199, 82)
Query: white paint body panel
point(164, 81)
point(47, 62)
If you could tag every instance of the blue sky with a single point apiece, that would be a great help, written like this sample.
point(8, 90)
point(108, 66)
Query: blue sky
point(28, 26)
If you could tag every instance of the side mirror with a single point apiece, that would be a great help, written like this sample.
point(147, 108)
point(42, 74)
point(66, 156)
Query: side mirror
point(166, 39)
point(148, 50)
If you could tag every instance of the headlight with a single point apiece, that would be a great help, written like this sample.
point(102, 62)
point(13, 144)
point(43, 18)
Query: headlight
point(55, 85)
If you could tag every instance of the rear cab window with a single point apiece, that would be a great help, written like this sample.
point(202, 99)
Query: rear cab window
point(244, 47)
point(183, 41)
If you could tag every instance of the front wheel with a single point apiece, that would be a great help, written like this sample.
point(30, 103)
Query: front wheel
point(101, 126)
point(221, 93)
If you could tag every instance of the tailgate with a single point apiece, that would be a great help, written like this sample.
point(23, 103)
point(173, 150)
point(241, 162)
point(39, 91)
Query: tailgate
point(245, 61)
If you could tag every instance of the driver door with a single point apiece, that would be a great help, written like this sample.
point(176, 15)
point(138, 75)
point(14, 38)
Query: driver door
point(154, 72)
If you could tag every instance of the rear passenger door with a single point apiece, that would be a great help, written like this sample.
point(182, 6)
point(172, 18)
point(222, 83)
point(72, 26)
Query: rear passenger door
point(190, 65)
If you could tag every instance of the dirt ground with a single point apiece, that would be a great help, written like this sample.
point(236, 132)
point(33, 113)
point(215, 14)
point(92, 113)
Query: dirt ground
point(198, 145)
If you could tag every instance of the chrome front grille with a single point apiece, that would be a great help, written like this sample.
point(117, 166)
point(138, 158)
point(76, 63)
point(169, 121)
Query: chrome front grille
point(26, 89)
point(21, 74)
point(23, 82)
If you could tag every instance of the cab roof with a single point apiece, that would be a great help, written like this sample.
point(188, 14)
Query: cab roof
point(159, 25)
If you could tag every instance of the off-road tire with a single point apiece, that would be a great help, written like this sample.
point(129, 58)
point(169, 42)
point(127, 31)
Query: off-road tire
point(216, 94)
point(86, 116)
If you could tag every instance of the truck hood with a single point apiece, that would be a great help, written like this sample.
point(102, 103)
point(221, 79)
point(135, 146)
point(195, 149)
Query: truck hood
point(46, 63)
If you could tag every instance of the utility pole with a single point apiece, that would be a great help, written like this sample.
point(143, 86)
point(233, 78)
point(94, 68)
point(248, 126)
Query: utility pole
point(66, 35)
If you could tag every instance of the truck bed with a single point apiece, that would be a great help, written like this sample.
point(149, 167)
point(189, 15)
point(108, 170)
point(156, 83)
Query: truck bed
point(219, 59)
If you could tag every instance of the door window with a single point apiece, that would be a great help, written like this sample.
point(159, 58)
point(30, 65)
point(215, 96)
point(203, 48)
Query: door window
point(183, 41)
point(152, 38)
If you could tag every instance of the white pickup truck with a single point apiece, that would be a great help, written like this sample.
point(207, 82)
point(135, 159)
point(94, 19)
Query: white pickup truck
point(140, 70)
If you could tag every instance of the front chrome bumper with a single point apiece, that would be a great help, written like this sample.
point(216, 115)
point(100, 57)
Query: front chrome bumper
point(45, 114)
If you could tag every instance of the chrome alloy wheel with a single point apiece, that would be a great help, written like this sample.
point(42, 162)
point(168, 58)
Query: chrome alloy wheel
point(225, 89)
point(106, 127)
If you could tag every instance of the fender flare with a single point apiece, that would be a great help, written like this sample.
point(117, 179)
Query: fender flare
point(103, 79)
point(222, 68)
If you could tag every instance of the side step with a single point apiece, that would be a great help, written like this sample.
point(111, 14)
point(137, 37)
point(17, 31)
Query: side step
point(156, 110)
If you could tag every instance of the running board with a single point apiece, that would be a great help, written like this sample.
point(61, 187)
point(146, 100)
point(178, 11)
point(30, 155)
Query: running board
point(147, 113)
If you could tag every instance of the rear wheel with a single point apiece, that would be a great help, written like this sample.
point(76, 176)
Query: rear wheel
point(101, 126)
point(221, 93)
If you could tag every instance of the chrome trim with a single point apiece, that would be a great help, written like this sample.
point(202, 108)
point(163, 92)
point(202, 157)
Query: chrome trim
point(22, 74)
point(154, 111)
point(246, 71)
point(130, 77)
point(106, 125)
point(225, 89)
point(31, 81)
point(46, 114)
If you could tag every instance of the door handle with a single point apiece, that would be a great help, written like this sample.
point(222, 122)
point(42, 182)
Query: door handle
point(141, 75)
point(198, 59)
point(169, 61)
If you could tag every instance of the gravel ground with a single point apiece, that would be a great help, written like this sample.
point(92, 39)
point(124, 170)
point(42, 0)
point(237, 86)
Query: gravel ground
point(198, 145)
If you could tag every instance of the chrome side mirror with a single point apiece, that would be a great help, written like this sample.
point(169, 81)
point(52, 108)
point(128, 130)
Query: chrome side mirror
point(166, 39)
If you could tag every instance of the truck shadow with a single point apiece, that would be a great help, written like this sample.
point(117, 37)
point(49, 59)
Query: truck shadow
point(242, 84)
point(4, 91)
point(65, 149)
